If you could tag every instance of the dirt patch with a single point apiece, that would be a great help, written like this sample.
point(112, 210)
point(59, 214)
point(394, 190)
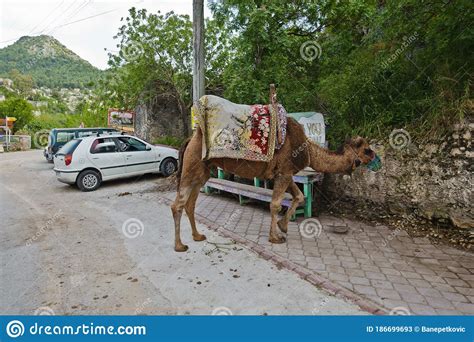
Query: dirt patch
point(414, 225)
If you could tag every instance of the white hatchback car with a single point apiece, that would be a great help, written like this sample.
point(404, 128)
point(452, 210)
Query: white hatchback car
point(89, 161)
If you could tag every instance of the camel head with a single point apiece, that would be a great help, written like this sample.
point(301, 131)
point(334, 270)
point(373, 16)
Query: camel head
point(359, 151)
point(352, 154)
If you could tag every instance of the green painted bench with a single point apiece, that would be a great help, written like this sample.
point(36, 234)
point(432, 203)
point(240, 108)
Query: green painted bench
point(257, 192)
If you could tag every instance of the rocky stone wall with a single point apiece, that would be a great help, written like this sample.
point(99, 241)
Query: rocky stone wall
point(161, 114)
point(433, 180)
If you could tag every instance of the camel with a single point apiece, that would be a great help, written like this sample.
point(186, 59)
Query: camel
point(296, 153)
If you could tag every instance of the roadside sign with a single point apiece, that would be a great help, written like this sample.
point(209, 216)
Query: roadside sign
point(121, 119)
point(313, 124)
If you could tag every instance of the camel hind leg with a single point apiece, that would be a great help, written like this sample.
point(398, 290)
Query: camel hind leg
point(186, 198)
point(191, 206)
point(194, 175)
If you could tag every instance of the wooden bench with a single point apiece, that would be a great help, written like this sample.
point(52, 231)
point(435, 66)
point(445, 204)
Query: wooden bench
point(245, 191)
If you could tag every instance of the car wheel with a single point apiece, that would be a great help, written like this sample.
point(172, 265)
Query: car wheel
point(168, 166)
point(88, 180)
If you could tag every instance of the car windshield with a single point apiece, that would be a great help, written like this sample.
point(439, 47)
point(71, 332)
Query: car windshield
point(69, 147)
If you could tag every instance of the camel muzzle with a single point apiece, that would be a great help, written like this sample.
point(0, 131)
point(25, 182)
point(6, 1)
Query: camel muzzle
point(375, 164)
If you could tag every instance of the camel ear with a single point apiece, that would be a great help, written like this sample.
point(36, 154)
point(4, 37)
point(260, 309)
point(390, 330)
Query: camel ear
point(358, 142)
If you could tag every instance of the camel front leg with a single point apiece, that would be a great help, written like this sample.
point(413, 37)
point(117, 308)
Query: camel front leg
point(298, 198)
point(279, 188)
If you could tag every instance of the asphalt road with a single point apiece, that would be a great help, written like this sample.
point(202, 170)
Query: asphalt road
point(67, 252)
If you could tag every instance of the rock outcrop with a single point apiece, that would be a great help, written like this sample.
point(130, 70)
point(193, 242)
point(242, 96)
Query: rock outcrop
point(433, 180)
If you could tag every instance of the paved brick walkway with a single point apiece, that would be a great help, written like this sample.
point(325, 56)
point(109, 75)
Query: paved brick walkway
point(385, 266)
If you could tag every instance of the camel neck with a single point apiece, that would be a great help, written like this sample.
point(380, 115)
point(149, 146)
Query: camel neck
point(324, 160)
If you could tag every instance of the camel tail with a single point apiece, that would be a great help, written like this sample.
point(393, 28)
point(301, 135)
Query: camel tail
point(181, 158)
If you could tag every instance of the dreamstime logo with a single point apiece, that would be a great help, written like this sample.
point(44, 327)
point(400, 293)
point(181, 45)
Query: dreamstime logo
point(44, 228)
point(40, 138)
point(132, 51)
point(407, 41)
point(44, 311)
point(317, 309)
point(390, 237)
point(310, 228)
point(399, 139)
point(139, 310)
point(15, 329)
point(221, 311)
point(400, 311)
point(300, 149)
point(235, 215)
point(133, 228)
point(310, 50)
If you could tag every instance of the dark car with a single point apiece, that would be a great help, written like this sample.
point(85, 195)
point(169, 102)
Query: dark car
point(58, 137)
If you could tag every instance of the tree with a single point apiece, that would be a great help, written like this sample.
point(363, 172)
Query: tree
point(18, 108)
point(155, 55)
point(380, 65)
point(22, 82)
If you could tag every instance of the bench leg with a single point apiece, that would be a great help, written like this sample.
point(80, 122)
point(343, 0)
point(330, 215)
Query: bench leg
point(220, 174)
point(256, 182)
point(308, 193)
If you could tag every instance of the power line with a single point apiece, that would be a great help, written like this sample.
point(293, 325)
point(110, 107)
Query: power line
point(44, 19)
point(86, 18)
point(48, 25)
point(73, 14)
point(67, 24)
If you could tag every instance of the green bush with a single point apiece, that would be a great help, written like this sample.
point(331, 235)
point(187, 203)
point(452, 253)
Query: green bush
point(169, 140)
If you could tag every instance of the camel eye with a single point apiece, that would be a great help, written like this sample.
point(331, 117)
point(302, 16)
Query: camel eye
point(368, 151)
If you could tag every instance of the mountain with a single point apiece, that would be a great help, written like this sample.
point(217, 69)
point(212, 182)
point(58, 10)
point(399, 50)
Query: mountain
point(49, 62)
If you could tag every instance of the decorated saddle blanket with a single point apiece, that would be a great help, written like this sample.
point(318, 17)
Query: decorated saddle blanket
point(240, 131)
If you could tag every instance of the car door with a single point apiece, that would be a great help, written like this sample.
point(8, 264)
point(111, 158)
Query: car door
point(105, 155)
point(139, 156)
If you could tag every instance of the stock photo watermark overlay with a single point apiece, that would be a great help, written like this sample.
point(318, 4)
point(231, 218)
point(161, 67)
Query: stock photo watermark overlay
point(133, 228)
point(399, 139)
point(310, 50)
point(310, 228)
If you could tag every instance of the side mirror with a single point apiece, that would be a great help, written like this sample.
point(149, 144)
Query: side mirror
point(148, 148)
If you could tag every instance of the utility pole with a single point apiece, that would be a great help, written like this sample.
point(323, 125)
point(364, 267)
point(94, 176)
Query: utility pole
point(198, 49)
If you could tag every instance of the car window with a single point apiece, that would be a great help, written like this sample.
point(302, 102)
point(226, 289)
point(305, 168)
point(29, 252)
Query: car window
point(128, 144)
point(103, 145)
point(70, 147)
point(63, 137)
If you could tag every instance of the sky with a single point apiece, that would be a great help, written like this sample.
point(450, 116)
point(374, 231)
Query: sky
point(88, 36)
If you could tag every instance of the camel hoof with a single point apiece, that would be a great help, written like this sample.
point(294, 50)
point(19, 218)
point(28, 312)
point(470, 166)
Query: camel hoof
point(278, 239)
point(283, 226)
point(181, 248)
point(199, 237)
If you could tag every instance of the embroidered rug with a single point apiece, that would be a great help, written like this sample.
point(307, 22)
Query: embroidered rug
point(239, 131)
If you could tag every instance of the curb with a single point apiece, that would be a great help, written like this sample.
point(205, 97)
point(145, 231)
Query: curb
point(312, 277)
